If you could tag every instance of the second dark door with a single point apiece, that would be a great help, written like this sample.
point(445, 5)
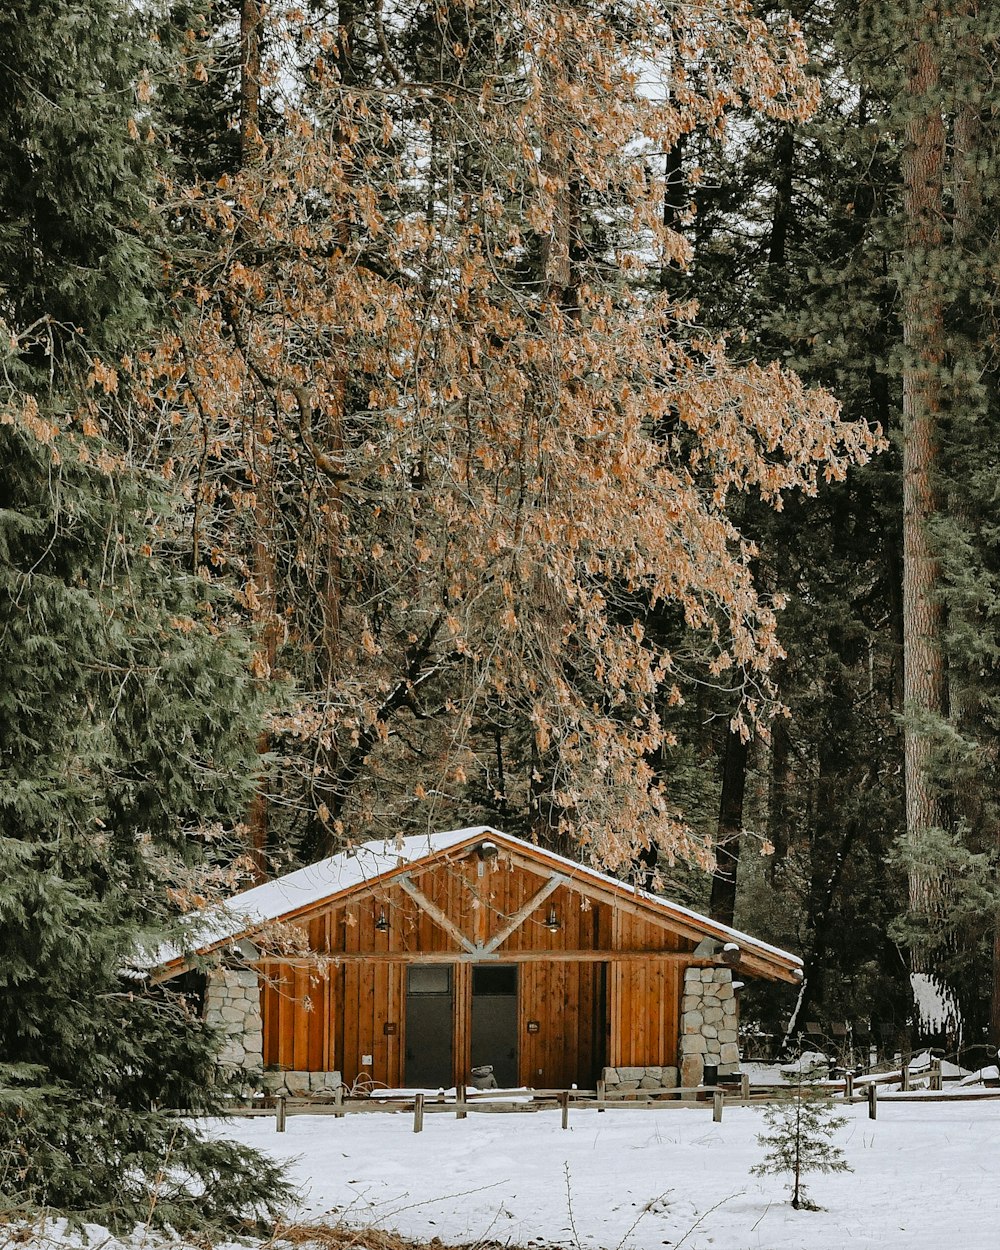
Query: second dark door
point(494, 1021)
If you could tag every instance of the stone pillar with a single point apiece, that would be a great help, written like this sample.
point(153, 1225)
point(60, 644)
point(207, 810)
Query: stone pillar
point(709, 1017)
point(232, 1006)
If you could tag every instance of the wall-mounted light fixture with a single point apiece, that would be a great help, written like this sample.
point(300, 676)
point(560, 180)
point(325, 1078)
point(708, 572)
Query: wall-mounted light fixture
point(552, 921)
point(382, 922)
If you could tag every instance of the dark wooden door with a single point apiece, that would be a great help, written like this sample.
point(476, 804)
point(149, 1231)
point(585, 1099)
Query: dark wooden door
point(494, 1021)
point(430, 1014)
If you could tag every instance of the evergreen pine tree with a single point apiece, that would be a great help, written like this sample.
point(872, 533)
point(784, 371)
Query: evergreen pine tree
point(127, 719)
point(792, 239)
point(799, 1142)
point(126, 727)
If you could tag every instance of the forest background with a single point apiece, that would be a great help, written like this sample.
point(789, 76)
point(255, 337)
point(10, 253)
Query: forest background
point(579, 418)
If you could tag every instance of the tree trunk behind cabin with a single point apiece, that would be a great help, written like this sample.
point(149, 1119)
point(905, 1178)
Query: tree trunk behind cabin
point(722, 903)
point(924, 681)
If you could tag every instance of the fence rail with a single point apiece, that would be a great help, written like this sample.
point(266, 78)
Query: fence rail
point(461, 1103)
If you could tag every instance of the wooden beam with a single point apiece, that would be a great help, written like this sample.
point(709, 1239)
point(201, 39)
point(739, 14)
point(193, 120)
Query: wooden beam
point(522, 913)
point(616, 897)
point(620, 896)
point(476, 955)
point(435, 913)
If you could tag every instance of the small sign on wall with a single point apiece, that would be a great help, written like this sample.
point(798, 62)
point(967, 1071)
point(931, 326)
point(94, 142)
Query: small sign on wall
point(534, 1026)
point(389, 1028)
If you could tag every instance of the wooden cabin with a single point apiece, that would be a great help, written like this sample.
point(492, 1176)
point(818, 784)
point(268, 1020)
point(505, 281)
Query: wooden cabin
point(457, 950)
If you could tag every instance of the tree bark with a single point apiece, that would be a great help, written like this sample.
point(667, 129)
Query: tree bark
point(781, 219)
point(263, 603)
point(825, 879)
point(924, 680)
point(249, 78)
point(722, 903)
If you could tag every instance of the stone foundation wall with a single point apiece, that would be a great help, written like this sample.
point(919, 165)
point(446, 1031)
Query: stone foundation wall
point(709, 1017)
point(232, 1005)
point(621, 1080)
point(300, 1084)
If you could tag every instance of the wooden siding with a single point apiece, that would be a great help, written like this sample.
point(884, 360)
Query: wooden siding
point(328, 1015)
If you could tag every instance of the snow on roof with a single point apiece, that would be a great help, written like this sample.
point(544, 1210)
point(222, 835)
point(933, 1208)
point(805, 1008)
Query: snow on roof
point(298, 891)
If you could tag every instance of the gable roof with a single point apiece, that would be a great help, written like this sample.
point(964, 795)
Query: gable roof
point(297, 894)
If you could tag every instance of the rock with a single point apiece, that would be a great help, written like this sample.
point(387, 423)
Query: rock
point(709, 1030)
point(722, 976)
point(691, 1002)
point(631, 1074)
point(692, 1070)
point(624, 1085)
point(650, 1082)
point(297, 1083)
point(707, 974)
point(692, 974)
point(713, 1015)
point(233, 1015)
point(610, 1076)
point(730, 1007)
point(729, 1069)
point(324, 1082)
point(730, 1052)
point(693, 1044)
point(653, 1069)
point(670, 1078)
point(728, 1035)
point(724, 991)
point(693, 1022)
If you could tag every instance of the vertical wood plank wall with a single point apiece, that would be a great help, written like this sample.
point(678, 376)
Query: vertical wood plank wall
point(328, 1016)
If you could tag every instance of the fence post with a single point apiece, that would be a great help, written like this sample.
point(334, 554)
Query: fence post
point(279, 1116)
point(718, 1098)
point(848, 1086)
point(564, 1103)
point(872, 1100)
point(338, 1102)
point(601, 1095)
point(418, 1113)
point(904, 1075)
point(744, 1087)
point(937, 1078)
point(460, 1112)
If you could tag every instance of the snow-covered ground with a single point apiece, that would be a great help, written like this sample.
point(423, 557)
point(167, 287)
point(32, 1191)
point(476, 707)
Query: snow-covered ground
point(926, 1177)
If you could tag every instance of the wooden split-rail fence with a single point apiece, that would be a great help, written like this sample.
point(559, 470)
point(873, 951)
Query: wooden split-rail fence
point(851, 1089)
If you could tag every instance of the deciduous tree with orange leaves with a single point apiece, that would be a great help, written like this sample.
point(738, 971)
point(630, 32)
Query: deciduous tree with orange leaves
point(435, 415)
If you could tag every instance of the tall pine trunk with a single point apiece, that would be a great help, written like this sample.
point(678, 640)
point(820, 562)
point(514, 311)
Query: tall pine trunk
point(262, 556)
point(722, 903)
point(924, 677)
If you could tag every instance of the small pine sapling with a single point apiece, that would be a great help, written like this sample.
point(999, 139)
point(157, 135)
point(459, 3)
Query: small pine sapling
point(802, 1124)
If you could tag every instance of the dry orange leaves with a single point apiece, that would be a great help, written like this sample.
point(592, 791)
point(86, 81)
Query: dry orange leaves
point(440, 412)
